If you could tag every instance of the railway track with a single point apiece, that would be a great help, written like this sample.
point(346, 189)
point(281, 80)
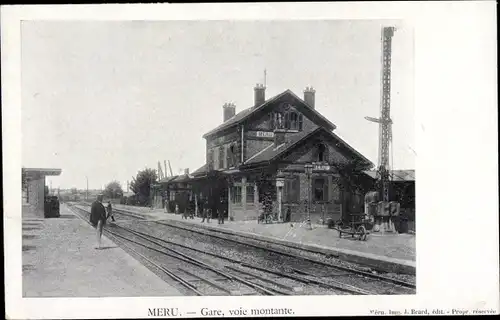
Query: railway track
point(213, 273)
point(282, 250)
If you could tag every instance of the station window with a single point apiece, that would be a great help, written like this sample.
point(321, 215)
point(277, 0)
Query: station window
point(230, 155)
point(210, 159)
point(236, 194)
point(221, 157)
point(320, 189)
point(250, 195)
point(322, 153)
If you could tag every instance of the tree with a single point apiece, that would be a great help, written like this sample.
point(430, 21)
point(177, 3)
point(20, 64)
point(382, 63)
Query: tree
point(113, 190)
point(141, 184)
point(74, 191)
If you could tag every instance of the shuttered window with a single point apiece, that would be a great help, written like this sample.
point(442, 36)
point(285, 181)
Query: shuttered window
point(229, 156)
point(210, 159)
point(250, 195)
point(236, 194)
point(221, 157)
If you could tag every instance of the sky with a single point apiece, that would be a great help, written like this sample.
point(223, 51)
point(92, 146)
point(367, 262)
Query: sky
point(104, 100)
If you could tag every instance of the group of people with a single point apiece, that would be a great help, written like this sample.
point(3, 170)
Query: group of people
point(205, 210)
point(99, 215)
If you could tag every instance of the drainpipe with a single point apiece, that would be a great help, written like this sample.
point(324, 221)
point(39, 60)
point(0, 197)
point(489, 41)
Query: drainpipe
point(242, 144)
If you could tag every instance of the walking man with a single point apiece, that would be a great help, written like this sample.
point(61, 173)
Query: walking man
point(98, 218)
point(110, 212)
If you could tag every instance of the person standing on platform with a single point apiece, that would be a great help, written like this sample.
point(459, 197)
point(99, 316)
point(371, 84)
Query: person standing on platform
point(98, 218)
point(221, 212)
point(110, 211)
point(206, 212)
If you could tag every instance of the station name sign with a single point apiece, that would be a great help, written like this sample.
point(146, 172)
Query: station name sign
point(261, 134)
point(321, 167)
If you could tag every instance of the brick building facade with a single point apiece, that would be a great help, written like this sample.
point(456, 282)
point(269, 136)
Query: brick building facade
point(257, 157)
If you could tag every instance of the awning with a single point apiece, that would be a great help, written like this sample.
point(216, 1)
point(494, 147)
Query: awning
point(40, 172)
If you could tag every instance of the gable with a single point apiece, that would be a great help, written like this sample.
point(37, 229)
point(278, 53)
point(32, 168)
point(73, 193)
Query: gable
point(252, 114)
point(336, 151)
point(286, 102)
point(307, 152)
point(299, 147)
point(263, 121)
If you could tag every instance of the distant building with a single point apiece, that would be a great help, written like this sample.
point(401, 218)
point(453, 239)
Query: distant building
point(34, 188)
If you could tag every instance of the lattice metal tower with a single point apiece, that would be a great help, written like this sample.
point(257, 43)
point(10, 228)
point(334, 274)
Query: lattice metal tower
point(385, 122)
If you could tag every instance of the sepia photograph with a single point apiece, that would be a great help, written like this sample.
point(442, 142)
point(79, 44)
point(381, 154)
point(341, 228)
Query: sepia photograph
point(220, 158)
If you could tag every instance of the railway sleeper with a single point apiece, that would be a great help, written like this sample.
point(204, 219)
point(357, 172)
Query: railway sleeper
point(266, 279)
point(212, 283)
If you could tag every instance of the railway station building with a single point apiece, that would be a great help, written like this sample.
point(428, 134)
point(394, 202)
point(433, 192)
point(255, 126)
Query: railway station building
point(34, 185)
point(280, 154)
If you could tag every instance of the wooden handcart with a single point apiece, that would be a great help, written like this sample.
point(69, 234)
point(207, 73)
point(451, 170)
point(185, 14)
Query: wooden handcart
point(358, 227)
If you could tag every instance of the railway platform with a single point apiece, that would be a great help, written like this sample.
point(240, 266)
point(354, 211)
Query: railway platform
point(388, 252)
point(59, 259)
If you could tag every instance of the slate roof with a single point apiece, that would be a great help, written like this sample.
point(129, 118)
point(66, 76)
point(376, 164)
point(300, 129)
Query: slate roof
point(271, 151)
point(167, 179)
point(244, 114)
point(200, 170)
point(183, 177)
point(397, 175)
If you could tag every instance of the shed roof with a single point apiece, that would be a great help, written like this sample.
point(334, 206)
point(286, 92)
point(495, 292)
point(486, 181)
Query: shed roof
point(34, 172)
point(167, 179)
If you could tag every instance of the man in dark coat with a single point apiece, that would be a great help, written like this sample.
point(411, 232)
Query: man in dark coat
point(221, 211)
point(98, 217)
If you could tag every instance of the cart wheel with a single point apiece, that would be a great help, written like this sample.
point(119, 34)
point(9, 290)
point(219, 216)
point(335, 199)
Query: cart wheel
point(362, 233)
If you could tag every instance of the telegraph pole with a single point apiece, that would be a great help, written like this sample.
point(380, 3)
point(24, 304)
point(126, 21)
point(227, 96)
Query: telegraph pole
point(87, 193)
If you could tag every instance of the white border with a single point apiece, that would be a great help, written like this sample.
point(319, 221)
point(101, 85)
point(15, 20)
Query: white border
point(457, 190)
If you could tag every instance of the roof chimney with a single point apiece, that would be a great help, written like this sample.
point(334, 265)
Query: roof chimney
point(186, 171)
point(229, 110)
point(309, 94)
point(279, 137)
point(260, 94)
